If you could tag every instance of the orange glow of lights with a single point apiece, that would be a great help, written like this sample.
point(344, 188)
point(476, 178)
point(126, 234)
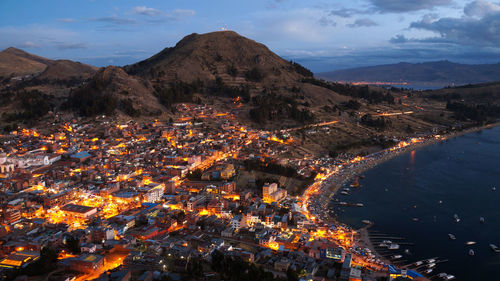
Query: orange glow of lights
point(68, 128)
point(273, 246)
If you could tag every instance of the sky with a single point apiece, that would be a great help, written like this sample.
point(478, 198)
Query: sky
point(323, 35)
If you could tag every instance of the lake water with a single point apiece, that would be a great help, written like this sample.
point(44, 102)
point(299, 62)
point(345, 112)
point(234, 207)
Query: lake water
point(432, 184)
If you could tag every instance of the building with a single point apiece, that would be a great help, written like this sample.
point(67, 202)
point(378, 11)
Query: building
point(19, 259)
point(271, 193)
point(87, 263)
point(59, 199)
point(79, 210)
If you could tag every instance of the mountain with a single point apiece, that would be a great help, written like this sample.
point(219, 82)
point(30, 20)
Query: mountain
point(439, 74)
point(217, 54)
point(15, 62)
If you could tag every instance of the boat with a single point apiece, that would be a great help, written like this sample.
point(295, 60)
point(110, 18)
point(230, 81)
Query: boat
point(355, 183)
point(383, 245)
point(395, 257)
point(428, 271)
point(457, 219)
point(431, 265)
point(343, 203)
point(494, 188)
point(449, 277)
point(366, 222)
point(360, 205)
point(495, 248)
point(431, 260)
point(344, 193)
point(393, 247)
point(407, 251)
point(415, 219)
point(470, 243)
point(471, 252)
point(419, 263)
point(442, 275)
point(452, 237)
point(387, 241)
point(481, 220)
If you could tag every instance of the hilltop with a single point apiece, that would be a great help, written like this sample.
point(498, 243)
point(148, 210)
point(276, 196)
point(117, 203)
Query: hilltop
point(438, 74)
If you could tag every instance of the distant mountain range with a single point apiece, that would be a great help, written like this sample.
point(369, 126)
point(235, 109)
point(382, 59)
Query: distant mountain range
point(437, 74)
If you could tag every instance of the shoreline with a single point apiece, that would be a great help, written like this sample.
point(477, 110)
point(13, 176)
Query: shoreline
point(352, 170)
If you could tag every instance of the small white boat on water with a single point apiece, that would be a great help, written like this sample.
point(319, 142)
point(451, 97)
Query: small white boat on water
point(393, 247)
point(366, 222)
point(431, 260)
point(395, 257)
point(428, 271)
point(456, 218)
point(419, 263)
point(469, 243)
point(452, 237)
point(481, 220)
point(387, 241)
point(431, 265)
point(495, 248)
point(471, 252)
point(442, 275)
point(449, 277)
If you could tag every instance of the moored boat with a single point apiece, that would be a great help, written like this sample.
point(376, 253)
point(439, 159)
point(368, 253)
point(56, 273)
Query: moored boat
point(393, 247)
point(495, 248)
point(469, 243)
point(452, 237)
point(471, 252)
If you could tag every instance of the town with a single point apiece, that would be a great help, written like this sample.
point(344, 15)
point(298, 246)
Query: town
point(201, 197)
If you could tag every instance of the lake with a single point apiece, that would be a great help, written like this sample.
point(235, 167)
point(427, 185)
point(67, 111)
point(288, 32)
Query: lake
point(416, 195)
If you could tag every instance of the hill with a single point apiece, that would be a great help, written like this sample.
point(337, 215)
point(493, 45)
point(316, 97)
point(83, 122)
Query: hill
point(112, 89)
point(437, 74)
point(15, 62)
point(245, 80)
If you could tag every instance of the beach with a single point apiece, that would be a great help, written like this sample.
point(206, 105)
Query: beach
point(353, 169)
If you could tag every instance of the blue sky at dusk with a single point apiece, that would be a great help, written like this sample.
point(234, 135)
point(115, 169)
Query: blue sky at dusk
point(323, 35)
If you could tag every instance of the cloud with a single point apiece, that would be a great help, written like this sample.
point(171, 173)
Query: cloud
point(114, 20)
point(72, 46)
point(346, 13)
point(67, 20)
point(401, 6)
point(29, 44)
point(484, 31)
point(145, 11)
point(179, 14)
point(174, 15)
point(33, 35)
point(362, 23)
point(481, 8)
point(324, 21)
